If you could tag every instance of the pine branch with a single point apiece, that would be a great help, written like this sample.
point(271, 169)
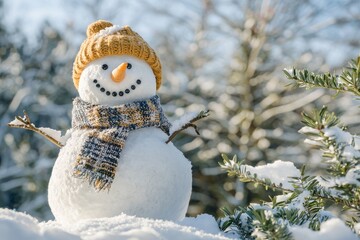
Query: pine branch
point(311, 184)
point(325, 131)
point(237, 169)
point(26, 124)
point(350, 201)
point(270, 220)
point(239, 222)
point(269, 227)
point(201, 115)
point(305, 200)
point(320, 119)
point(348, 81)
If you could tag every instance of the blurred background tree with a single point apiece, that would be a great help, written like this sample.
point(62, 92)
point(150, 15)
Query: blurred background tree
point(223, 55)
point(232, 63)
point(32, 79)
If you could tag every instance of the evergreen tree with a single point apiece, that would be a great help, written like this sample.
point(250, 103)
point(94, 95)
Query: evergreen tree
point(303, 199)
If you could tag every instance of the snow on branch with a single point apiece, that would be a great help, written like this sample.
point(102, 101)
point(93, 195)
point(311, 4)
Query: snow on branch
point(341, 149)
point(301, 203)
point(278, 175)
point(300, 211)
point(185, 122)
point(25, 123)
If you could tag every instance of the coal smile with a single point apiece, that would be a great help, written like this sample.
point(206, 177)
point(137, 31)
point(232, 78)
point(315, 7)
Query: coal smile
point(114, 93)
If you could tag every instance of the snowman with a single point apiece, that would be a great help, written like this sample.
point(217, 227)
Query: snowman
point(115, 159)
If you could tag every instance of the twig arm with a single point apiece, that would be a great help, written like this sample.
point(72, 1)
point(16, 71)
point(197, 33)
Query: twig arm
point(25, 123)
point(201, 115)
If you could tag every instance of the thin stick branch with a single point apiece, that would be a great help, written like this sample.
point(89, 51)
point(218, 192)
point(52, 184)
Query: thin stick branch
point(26, 124)
point(29, 126)
point(201, 115)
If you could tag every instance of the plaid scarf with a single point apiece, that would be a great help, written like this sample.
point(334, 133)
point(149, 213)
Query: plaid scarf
point(109, 128)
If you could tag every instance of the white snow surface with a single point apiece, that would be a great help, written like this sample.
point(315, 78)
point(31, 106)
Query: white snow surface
point(278, 172)
point(313, 142)
point(351, 177)
point(298, 203)
point(51, 132)
point(308, 130)
point(16, 122)
point(350, 143)
point(339, 135)
point(54, 134)
point(107, 31)
point(332, 229)
point(351, 149)
point(18, 226)
point(178, 124)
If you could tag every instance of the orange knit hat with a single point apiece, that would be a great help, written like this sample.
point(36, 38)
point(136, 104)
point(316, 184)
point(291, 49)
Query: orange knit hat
point(105, 39)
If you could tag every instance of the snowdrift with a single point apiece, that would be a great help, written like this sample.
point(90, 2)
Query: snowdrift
point(17, 226)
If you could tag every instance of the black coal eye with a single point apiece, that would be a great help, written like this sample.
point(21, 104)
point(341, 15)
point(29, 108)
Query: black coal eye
point(104, 66)
point(129, 66)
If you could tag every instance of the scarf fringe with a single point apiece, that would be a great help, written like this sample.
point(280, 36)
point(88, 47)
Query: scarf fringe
point(98, 180)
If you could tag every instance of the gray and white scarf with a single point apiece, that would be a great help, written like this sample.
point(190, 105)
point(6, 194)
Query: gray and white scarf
point(109, 128)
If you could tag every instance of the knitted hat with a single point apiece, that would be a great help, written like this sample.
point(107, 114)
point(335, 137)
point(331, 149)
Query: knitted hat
point(105, 39)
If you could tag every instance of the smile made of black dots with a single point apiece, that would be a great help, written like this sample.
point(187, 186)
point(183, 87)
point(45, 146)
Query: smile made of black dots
point(114, 94)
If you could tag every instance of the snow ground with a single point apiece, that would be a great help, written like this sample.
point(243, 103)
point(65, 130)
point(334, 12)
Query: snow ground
point(17, 226)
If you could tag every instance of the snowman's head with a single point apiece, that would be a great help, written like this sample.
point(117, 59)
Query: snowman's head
point(115, 80)
point(115, 65)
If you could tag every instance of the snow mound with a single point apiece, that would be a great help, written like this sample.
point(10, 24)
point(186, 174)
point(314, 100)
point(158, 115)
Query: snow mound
point(16, 225)
point(332, 229)
point(279, 172)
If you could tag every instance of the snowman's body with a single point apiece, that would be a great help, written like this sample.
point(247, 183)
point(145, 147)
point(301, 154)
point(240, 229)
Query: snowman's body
point(153, 180)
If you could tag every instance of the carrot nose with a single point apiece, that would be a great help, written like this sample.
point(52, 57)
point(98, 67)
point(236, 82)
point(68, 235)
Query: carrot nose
point(118, 74)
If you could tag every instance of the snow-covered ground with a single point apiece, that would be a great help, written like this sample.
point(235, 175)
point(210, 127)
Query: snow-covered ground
point(17, 226)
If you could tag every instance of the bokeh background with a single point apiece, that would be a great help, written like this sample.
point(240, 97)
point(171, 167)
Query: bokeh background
point(226, 56)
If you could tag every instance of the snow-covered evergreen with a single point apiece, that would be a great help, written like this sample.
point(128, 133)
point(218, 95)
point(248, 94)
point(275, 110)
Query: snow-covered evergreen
point(302, 206)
